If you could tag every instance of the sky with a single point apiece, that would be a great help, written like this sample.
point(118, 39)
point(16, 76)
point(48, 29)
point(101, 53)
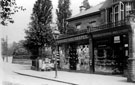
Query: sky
point(15, 32)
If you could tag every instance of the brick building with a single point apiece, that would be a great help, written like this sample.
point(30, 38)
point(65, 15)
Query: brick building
point(104, 41)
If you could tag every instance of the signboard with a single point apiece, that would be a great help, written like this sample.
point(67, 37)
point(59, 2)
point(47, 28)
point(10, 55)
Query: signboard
point(82, 37)
point(117, 39)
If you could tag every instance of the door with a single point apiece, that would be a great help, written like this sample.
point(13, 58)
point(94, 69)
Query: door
point(119, 58)
point(73, 60)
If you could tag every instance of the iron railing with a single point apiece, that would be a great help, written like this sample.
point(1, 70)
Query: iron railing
point(109, 25)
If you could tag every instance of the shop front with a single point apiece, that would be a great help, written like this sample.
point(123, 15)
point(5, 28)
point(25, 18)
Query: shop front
point(104, 52)
point(111, 54)
point(75, 53)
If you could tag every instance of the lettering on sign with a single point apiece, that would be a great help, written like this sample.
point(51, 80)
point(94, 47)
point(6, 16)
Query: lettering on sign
point(73, 39)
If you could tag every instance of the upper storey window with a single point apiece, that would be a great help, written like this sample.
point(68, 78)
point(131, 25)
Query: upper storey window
point(128, 8)
point(110, 15)
point(116, 13)
point(116, 0)
point(122, 10)
point(134, 5)
point(78, 26)
point(92, 23)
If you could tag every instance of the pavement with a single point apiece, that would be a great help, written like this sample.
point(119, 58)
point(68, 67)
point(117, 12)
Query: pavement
point(9, 76)
point(73, 78)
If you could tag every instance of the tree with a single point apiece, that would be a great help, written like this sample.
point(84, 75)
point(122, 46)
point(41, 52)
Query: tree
point(8, 8)
point(71, 30)
point(12, 48)
point(39, 33)
point(63, 12)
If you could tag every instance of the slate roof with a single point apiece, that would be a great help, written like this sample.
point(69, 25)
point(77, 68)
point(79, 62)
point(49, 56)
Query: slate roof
point(107, 4)
point(94, 9)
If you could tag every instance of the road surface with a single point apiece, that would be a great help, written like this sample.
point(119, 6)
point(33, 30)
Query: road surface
point(11, 78)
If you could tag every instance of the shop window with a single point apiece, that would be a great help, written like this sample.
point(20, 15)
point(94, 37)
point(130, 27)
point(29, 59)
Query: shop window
point(83, 57)
point(100, 52)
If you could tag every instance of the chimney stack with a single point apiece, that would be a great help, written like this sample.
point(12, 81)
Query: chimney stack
point(82, 8)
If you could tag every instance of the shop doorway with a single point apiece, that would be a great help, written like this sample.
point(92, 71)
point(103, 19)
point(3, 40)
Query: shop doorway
point(119, 58)
point(121, 54)
point(73, 60)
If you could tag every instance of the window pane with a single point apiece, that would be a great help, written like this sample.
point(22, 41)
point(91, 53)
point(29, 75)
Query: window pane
point(133, 5)
point(122, 6)
point(122, 15)
point(78, 26)
point(92, 23)
point(116, 17)
point(116, 9)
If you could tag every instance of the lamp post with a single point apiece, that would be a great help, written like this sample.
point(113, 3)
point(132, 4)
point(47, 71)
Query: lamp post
point(56, 35)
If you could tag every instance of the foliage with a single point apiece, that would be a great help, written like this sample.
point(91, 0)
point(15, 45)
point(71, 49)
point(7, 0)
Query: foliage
point(13, 49)
point(39, 33)
point(71, 30)
point(63, 12)
point(8, 8)
point(18, 48)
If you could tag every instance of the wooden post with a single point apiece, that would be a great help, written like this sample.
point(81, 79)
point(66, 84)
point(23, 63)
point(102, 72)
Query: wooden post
point(91, 53)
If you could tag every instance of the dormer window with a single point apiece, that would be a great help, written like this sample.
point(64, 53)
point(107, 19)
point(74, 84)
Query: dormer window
point(78, 26)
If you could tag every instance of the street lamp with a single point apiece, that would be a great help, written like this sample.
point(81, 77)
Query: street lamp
point(56, 35)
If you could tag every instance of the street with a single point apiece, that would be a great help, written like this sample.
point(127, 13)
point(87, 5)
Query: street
point(11, 78)
point(17, 74)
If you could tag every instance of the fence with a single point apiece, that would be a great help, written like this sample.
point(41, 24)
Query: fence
point(22, 59)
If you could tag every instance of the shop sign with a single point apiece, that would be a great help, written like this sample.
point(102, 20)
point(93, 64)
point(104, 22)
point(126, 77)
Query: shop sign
point(117, 39)
point(73, 39)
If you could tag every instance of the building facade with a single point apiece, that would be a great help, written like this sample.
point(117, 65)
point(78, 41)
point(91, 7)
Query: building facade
point(104, 41)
